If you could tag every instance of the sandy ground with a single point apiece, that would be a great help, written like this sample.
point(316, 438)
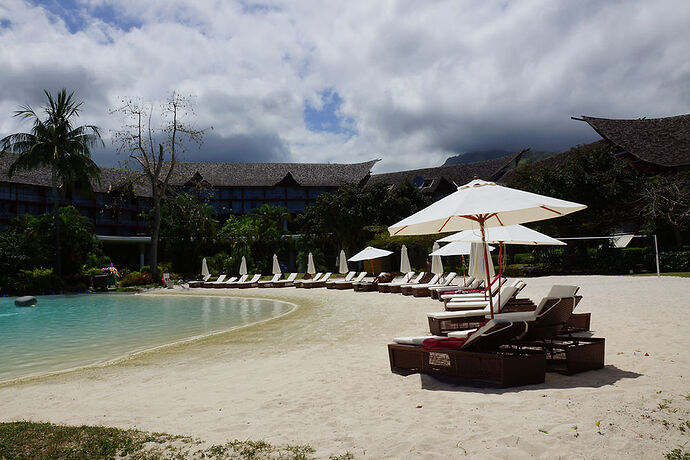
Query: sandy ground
point(321, 376)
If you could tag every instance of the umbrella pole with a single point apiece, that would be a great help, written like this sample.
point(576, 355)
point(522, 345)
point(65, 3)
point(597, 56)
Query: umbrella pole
point(500, 259)
point(464, 280)
point(486, 266)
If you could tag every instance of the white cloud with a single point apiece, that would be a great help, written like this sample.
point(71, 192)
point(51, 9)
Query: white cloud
point(420, 81)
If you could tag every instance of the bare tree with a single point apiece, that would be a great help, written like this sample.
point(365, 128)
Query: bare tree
point(668, 198)
point(153, 152)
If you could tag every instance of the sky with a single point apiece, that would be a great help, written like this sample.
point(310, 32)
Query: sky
point(407, 82)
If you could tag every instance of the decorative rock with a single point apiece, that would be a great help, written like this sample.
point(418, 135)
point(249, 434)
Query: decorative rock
point(26, 301)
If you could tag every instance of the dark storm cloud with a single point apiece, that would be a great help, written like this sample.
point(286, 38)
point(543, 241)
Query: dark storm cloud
point(249, 148)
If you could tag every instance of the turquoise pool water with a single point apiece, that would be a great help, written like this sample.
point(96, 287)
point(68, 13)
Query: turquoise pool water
point(62, 332)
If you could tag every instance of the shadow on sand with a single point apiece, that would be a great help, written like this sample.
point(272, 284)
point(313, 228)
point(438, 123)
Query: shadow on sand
point(591, 379)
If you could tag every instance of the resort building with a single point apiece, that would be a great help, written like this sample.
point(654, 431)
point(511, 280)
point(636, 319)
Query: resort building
point(652, 145)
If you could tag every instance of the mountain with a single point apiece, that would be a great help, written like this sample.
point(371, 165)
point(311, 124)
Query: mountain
point(474, 157)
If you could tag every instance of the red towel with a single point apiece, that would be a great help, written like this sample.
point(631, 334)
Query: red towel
point(448, 343)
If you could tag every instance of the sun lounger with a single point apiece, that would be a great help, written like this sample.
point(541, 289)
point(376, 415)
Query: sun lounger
point(316, 277)
point(316, 284)
point(348, 284)
point(423, 290)
point(330, 284)
point(509, 290)
point(199, 283)
point(465, 292)
point(367, 286)
point(474, 314)
point(269, 283)
point(423, 277)
point(254, 282)
point(220, 280)
point(406, 289)
point(469, 283)
point(289, 281)
point(479, 358)
point(385, 287)
point(231, 282)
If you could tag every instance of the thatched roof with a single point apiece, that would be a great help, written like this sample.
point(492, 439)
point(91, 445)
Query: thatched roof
point(270, 174)
point(660, 141)
point(452, 175)
point(215, 175)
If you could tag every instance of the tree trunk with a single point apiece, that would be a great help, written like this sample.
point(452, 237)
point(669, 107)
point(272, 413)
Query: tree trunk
point(56, 224)
point(155, 230)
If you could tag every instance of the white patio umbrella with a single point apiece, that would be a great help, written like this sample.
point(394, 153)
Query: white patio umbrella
point(479, 261)
point(342, 264)
point(370, 253)
point(404, 260)
point(510, 234)
point(276, 266)
point(457, 248)
point(483, 204)
point(243, 266)
point(436, 263)
point(310, 264)
point(204, 268)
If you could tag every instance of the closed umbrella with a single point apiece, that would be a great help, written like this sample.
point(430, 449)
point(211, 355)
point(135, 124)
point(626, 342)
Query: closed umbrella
point(310, 264)
point(404, 260)
point(342, 265)
point(243, 266)
point(479, 260)
point(276, 266)
point(204, 269)
point(483, 204)
point(436, 263)
point(456, 248)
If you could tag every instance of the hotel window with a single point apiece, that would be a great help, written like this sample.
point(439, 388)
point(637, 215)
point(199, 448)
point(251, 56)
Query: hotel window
point(296, 206)
point(294, 192)
point(253, 193)
point(5, 191)
point(314, 192)
point(275, 192)
point(28, 194)
point(237, 207)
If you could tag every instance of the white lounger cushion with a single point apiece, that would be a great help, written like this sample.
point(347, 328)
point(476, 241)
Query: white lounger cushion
point(461, 334)
point(458, 314)
point(415, 340)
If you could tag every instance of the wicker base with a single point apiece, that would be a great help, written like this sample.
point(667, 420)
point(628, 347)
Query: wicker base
point(570, 355)
point(500, 368)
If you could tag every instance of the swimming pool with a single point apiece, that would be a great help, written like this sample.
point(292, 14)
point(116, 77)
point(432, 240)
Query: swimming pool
point(62, 332)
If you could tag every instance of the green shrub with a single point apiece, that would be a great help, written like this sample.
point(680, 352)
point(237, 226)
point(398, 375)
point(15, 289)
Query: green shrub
point(136, 279)
point(38, 281)
point(145, 268)
point(523, 258)
point(676, 261)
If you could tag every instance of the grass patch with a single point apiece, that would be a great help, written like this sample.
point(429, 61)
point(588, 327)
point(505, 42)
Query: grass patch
point(680, 274)
point(677, 454)
point(43, 441)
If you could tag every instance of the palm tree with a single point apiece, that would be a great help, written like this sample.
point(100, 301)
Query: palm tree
point(55, 143)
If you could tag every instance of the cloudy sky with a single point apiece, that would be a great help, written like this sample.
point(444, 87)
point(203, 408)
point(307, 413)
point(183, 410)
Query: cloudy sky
point(312, 81)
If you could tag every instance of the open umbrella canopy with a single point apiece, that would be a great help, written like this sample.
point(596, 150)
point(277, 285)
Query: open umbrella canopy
point(276, 266)
point(436, 263)
point(404, 260)
point(493, 205)
point(311, 269)
point(478, 264)
point(204, 268)
point(369, 253)
point(342, 265)
point(243, 266)
point(511, 234)
point(456, 248)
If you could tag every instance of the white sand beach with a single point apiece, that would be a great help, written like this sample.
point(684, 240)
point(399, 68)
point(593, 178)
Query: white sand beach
point(320, 376)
